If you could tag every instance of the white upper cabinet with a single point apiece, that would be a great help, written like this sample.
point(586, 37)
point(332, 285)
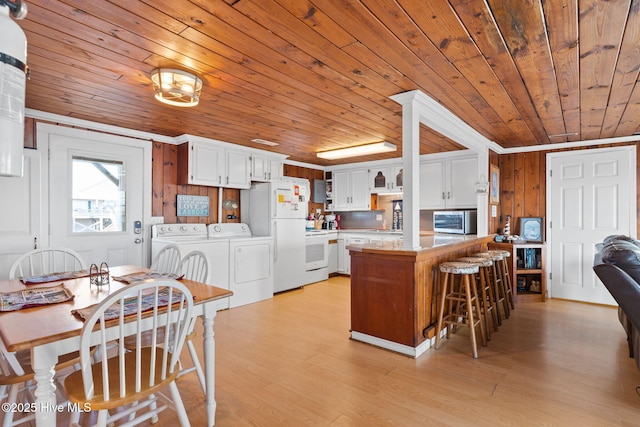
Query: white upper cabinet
point(238, 174)
point(209, 162)
point(206, 163)
point(386, 179)
point(449, 183)
point(462, 177)
point(351, 190)
point(266, 168)
point(432, 186)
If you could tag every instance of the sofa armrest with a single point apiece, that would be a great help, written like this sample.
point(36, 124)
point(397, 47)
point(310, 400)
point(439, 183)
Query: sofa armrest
point(623, 288)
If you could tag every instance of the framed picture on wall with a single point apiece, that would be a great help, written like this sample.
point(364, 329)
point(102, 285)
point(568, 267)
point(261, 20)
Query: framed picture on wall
point(531, 229)
point(494, 185)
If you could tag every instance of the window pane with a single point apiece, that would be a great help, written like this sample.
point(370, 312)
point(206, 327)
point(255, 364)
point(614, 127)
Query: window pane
point(98, 203)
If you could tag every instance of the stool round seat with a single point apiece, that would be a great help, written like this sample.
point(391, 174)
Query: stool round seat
point(454, 267)
point(505, 254)
point(489, 254)
point(481, 261)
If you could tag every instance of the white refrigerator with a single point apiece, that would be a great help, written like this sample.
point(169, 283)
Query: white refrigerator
point(279, 209)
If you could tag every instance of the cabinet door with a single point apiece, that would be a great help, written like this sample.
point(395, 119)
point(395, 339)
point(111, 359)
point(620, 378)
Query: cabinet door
point(432, 191)
point(259, 168)
point(462, 174)
point(333, 257)
point(206, 165)
point(385, 179)
point(341, 190)
point(397, 178)
point(360, 194)
point(380, 180)
point(341, 256)
point(238, 174)
point(276, 170)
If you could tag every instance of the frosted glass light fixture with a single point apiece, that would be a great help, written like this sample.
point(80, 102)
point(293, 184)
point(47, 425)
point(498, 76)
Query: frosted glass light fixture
point(358, 150)
point(176, 87)
point(482, 185)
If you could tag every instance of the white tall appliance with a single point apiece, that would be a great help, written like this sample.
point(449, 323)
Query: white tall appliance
point(279, 209)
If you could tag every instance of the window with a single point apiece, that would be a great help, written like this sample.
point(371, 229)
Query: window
point(98, 204)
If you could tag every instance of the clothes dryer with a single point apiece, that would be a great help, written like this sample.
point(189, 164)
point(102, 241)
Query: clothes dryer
point(250, 262)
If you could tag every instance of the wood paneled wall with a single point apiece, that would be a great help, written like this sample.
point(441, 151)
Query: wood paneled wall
point(307, 173)
point(523, 186)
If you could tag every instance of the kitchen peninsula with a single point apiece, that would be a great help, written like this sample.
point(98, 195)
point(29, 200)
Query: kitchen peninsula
point(394, 290)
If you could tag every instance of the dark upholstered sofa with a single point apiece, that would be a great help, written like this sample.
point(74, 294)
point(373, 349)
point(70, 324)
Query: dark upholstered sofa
point(617, 264)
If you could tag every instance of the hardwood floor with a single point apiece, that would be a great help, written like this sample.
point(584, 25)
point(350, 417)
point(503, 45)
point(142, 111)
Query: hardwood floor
point(289, 362)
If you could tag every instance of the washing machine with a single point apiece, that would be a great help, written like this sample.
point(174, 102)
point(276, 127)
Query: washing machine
point(194, 237)
point(250, 262)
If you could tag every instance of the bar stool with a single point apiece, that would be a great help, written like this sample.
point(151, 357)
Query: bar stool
point(463, 308)
point(498, 284)
point(503, 270)
point(487, 298)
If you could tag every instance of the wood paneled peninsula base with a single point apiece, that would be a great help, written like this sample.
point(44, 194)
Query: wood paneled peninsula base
point(394, 291)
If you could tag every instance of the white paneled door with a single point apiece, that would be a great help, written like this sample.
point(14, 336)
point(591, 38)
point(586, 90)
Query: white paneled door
point(592, 195)
point(20, 226)
point(97, 185)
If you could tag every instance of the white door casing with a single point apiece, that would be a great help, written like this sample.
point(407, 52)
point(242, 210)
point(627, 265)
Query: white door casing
point(20, 225)
point(114, 248)
point(591, 194)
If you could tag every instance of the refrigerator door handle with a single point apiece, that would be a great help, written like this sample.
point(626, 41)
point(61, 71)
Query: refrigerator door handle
point(275, 240)
point(275, 203)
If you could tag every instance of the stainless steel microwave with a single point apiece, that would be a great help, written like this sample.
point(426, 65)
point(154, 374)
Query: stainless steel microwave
point(456, 222)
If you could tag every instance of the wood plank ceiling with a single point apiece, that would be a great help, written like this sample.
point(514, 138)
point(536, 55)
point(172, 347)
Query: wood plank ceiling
point(313, 75)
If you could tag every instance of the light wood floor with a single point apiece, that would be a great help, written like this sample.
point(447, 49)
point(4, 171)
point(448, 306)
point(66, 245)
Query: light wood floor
point(289, 362)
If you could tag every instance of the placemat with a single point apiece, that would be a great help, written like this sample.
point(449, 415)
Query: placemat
point(131, 305)
point(141, 276)
point(54, 277)
point(34, 297)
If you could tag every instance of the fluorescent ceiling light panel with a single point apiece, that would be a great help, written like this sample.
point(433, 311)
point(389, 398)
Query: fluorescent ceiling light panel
point(359, 150)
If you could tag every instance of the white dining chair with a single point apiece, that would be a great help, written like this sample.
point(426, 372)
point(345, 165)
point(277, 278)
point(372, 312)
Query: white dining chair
point(194, 267)
point(130, 380)
point(16, 375)
point(167, 260)
point(38, 262)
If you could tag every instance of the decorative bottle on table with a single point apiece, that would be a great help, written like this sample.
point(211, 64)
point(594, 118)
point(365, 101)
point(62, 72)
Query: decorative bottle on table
point(507, 226)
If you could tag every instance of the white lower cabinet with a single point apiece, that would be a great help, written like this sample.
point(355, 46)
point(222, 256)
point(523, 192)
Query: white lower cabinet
point(348, 239)
point(333, 256)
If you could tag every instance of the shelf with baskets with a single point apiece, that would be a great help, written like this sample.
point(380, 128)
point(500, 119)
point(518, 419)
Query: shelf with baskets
point(526, 269)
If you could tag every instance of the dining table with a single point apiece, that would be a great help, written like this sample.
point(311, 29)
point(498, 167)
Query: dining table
point(51, 330)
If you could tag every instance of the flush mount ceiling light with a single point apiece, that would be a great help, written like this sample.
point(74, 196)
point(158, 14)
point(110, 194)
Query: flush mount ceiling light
point(176, 87)
point(359, 150)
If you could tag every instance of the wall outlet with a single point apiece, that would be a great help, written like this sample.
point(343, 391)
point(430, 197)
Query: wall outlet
point(378, 217)
point(157, 220)
point(319, 211)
